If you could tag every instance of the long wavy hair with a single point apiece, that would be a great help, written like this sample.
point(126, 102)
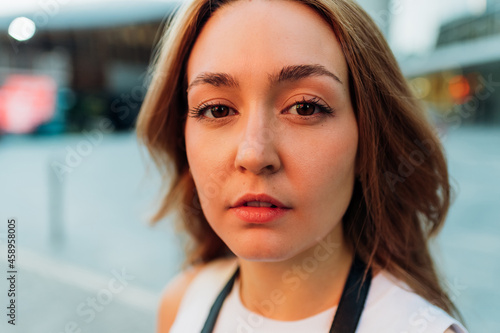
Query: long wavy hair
point(402, 194)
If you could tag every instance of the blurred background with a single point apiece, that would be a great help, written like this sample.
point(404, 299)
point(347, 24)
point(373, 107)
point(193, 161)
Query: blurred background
point(72, 79)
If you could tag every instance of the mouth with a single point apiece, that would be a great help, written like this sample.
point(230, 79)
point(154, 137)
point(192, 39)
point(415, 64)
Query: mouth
point(259, 209)
point(259, 200)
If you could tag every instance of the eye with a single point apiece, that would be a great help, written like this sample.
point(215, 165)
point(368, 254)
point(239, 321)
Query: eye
point(304, 109)
point(212, 111)
point(217, 111)
point(309, 108)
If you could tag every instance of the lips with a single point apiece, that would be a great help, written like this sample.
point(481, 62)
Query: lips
point(259, 208)
point(253, 200)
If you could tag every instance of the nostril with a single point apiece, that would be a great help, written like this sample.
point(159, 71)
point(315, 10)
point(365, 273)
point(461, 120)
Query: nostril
point(256, 157)
point(270, 167)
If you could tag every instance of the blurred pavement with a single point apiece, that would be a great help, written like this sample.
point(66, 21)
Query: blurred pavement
point(107, 198)
point(105, 202)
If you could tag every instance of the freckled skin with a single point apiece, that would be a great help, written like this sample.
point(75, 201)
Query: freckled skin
point(307, 164)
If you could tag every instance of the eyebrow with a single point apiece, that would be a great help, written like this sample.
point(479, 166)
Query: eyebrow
point(298, 72)
point(214, 79)
point(287, 74)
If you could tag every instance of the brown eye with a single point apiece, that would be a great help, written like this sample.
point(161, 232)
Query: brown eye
point(218, 111)
point(304, 109)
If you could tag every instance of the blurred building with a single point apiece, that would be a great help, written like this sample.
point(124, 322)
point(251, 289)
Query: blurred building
point(95, 58)
point(86, 61)
point(460, 79)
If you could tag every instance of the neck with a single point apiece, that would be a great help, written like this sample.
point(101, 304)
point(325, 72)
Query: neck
point(297, 288)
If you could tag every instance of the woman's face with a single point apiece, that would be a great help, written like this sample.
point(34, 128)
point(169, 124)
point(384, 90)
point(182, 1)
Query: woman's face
point(270, 122)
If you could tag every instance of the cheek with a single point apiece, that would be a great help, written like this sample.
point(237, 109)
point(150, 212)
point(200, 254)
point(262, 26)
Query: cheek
point(196, 160)
point(325, 173)
point(206, 165)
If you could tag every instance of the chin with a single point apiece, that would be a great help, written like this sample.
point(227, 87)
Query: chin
point(261, 251)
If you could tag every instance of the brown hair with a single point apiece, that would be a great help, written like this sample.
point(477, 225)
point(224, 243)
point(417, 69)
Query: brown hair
point(402, 195)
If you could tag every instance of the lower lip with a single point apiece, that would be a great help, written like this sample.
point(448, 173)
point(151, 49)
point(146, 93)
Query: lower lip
point(259, 214)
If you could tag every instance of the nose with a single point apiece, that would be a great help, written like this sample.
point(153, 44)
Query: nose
point(257, 152)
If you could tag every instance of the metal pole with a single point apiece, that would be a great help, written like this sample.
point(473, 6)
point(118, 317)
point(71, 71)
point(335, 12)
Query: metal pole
point(56, 207)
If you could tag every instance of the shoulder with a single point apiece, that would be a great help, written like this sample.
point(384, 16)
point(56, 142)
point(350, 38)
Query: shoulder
point(172, 296)
point(190, 290)
point(391, 306)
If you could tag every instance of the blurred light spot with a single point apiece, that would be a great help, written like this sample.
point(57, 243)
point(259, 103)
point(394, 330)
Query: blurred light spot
point(421, 87)
point(22, 28)
point(459, 88)
point(26, 101)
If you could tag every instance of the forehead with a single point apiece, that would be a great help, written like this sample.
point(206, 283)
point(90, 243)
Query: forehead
point(248, 38)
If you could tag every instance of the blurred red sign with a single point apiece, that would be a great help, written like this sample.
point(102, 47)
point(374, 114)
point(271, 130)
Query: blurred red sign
point(26, 101)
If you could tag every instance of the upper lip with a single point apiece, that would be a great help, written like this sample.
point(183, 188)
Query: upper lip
point(258, 197)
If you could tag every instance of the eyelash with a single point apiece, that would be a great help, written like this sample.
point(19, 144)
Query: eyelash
point(198, 111)
point(323, 108)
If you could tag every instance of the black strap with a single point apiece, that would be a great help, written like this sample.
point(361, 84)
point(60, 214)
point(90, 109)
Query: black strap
point(353, 298)
point(214, 311)
point(349, 309)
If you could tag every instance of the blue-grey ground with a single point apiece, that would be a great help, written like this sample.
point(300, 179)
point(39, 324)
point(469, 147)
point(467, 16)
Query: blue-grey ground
point(103, 204)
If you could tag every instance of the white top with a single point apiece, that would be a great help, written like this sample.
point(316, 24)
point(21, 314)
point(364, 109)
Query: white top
point(390, 308)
